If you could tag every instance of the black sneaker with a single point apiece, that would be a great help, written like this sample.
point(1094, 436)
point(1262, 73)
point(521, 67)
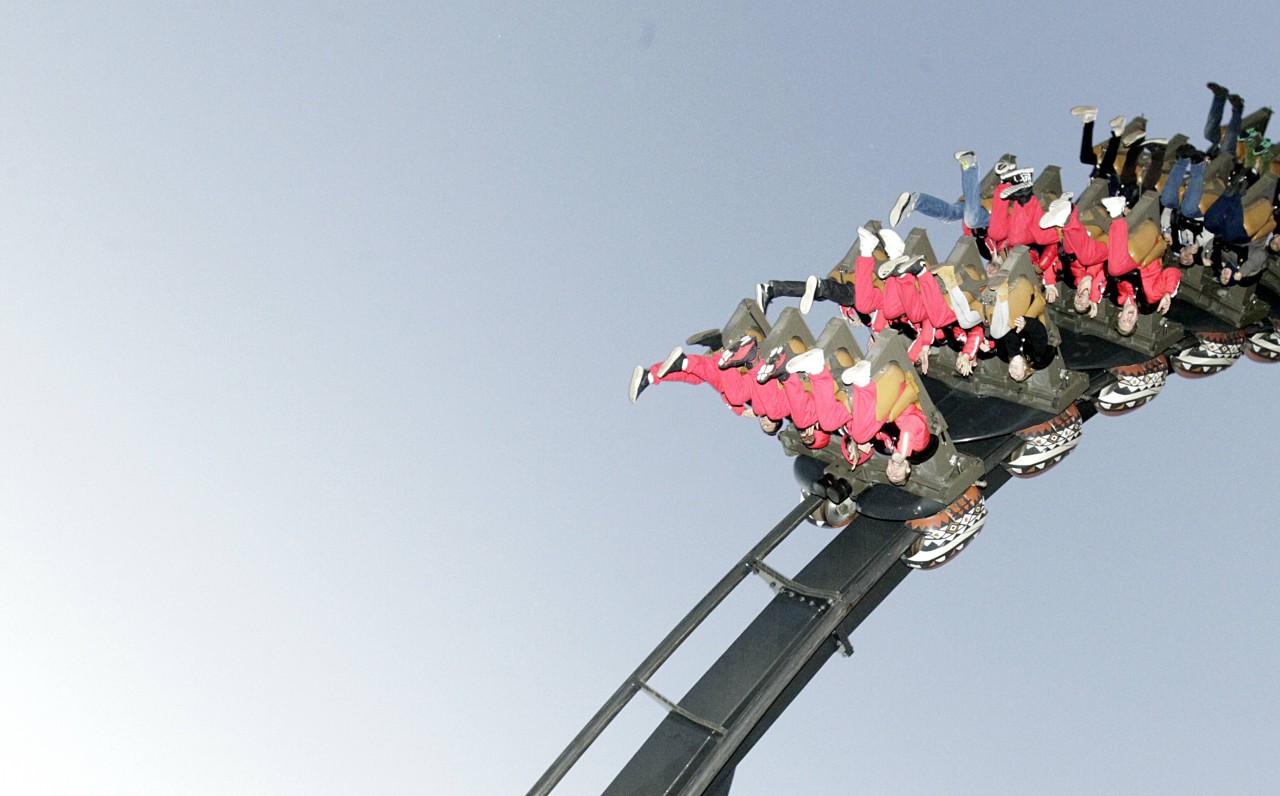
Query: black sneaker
point(639, 381)
point(711, 338)
point(742, 353)
point(675, 362)
point(772, 367)
point(913, 266)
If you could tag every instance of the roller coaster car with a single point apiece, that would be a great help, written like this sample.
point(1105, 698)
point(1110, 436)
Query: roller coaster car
point(1154, 333)
point(939, 473)
point(1236, 305)
point(1050, 389)
point(1222, 337)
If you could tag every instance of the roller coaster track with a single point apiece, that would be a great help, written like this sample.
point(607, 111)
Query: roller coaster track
point(697, 745)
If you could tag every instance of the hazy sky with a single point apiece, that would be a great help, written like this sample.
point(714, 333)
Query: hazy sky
point(317, 473)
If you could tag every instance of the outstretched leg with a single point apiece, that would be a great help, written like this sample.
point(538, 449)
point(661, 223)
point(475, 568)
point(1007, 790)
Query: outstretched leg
point(1213, 122)
point(975, 215)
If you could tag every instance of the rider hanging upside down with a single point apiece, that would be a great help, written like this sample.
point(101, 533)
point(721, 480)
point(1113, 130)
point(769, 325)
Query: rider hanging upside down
point(1017, 323)
point(1015, 221)
point(883, 412)
point(1084, 257)
point(1158, 284)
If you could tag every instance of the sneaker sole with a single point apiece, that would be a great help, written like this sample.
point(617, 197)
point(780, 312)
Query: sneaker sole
point(636, 375)
point(810, 293)
point(670, 361)
point(895, 215)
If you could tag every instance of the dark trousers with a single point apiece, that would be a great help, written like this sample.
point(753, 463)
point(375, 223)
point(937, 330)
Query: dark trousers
point(1105, 168)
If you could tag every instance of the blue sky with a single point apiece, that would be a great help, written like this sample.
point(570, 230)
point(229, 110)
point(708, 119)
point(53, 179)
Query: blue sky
point(317, 469)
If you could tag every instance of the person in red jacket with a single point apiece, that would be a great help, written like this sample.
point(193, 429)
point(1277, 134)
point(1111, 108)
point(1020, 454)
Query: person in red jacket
point(884, 412)
point(1015, 221)
point(810, 394)
point(1083, 256)
point(1158, 284)
point(961, 325)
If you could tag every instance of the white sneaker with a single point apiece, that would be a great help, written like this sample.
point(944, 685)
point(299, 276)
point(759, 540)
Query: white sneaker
point(1012, 189)
point(968, 159)
point(637, 382)
point(1115, 205)
point(811, 361)
point(1058, 213)
point(909, 264)
point(810, 293)
point(1133, 137)
point(867, 242)
point(859, 374)
point(1087, 113)
point(893, 243)
point(1019, 175)
point(1117, 125)
point(902, 208)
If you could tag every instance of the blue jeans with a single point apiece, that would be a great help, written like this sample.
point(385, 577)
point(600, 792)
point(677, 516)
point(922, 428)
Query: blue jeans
point(1190, 205)
point(968, 208)
point(975, 215)
point(933, 207)
point(1213, 124)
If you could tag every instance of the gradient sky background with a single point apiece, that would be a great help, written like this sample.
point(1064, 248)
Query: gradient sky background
point(316, 467)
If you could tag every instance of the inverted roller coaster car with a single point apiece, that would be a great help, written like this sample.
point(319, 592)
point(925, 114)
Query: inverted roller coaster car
point(948, 532)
